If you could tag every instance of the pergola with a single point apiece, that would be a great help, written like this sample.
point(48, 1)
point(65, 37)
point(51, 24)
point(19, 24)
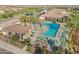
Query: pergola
point(18, 29)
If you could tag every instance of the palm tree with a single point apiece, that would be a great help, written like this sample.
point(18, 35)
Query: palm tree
point(38, 49)
point(73, 20)
point(73, 27)
point(34, 20)
point(24, 19)
point(74, 34)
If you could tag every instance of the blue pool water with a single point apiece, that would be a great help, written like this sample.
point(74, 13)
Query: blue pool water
point(52, 29)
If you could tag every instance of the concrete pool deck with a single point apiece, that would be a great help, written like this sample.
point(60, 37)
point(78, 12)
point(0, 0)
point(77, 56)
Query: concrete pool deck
point(59, 34)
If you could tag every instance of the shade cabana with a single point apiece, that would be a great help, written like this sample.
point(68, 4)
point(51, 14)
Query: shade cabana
point(20, 30)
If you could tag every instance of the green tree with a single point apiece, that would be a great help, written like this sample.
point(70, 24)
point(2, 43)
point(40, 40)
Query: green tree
point(1, 34)
point(57, 50)
point(28, 43)
point(24, 19)
point(14, 38)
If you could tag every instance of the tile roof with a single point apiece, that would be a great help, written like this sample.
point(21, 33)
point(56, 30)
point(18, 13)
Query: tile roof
point(56, 13)
point(19, 29)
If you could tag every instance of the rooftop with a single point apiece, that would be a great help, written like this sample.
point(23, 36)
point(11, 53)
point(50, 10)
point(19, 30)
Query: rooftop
point(19, 29)
point(56, 13)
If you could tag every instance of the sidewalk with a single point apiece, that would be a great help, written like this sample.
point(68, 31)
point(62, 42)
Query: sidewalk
point(12, 48)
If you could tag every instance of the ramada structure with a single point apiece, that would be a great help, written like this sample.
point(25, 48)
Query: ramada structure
point(17, 29)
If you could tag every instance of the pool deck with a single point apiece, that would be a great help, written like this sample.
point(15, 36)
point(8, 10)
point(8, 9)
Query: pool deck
point(57, 36)
point(59, 32)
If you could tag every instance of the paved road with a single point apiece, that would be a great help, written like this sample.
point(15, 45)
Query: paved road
point(12, 48)
point(3, 51)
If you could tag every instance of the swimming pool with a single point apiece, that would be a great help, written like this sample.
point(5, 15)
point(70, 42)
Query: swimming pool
point(52, 29)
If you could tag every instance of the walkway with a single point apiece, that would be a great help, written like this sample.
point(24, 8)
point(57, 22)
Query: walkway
point(12, 48)
point(3, 51)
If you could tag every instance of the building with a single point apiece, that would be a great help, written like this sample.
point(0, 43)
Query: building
point(17, 29)
point(55, 14)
